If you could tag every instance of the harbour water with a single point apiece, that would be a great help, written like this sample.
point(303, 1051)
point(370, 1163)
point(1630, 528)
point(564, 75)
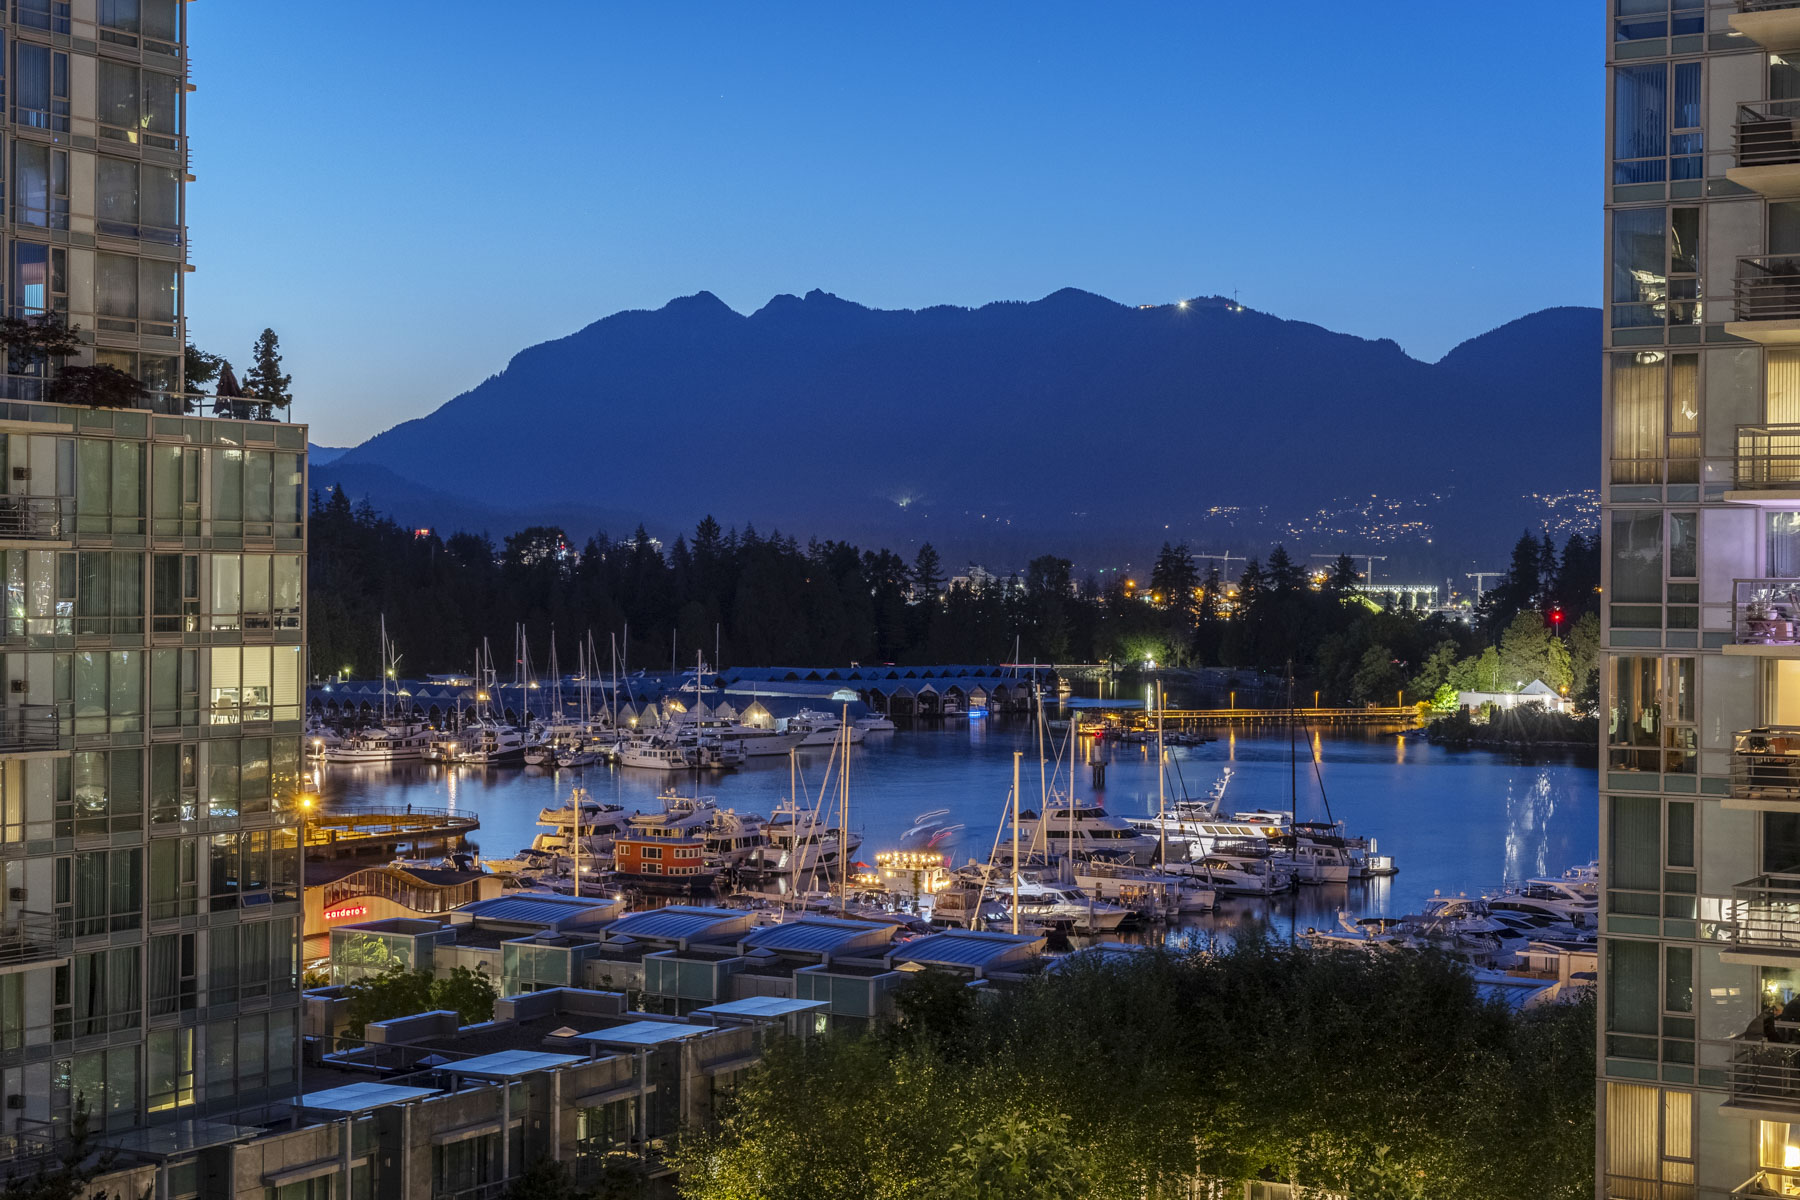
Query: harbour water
point(1456, 820)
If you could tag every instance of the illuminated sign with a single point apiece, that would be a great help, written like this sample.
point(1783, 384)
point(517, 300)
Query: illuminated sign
point(349, 910)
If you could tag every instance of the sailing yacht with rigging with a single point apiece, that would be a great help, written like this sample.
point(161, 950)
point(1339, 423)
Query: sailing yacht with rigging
point(398, 738)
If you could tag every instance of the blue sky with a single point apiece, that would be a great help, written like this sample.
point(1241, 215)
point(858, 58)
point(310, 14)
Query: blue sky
point(411, 192)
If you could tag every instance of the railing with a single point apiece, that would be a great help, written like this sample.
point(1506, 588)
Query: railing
point(1768, 288)
point(1758, 1074)
point(1750, 6)
point(1765, 914)
point(27, 727)
point(1768, 133)
point(1766, 612)
point(28, 937)
point(1765, 764)
point(37, 518)
point(37, 389)
point(1768, 1182)
point(1768, 456)
point(402, 887)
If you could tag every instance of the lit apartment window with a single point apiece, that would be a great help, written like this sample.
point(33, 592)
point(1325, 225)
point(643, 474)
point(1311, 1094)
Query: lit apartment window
point(1651, 724)
point(1649, 1140)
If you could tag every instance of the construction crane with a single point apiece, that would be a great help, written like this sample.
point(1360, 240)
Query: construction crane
point(1227, 558)
point(1369, 561)
point(1481, 578)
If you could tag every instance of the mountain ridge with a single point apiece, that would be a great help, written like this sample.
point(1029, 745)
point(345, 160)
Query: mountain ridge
point(1072, 415)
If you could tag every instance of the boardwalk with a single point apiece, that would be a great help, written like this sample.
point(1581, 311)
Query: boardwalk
point(1179, 718)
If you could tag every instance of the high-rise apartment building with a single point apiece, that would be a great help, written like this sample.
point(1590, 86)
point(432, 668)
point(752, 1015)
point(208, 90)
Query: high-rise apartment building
point(152, 640)
point(1699, 1054)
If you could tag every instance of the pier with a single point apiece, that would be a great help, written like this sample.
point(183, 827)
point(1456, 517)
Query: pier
point(384, 831)
point(1182, 718)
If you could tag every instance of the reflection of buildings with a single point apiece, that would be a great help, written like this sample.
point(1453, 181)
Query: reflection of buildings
point(1700, 829)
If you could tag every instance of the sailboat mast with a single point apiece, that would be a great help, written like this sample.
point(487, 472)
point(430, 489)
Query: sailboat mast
point(844, 818)
point(1017, 755)
point(1162, 823)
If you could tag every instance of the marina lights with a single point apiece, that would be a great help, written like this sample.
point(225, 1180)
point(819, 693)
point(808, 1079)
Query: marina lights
point(908, 860)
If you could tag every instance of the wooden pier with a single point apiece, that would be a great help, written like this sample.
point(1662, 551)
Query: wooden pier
point(385, 830)
point(1182, 718)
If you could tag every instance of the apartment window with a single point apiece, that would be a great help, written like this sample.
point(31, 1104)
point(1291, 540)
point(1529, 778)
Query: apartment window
point(109, 691)
point(169, 1071)
point(174, 784)
point(257, 494)
point(40, 185)
point(254, 683)
point(1656, 267)
point(40, 592)
point(1637, 569)
point(174, 689)
point(222, 778)
point(1649, 1141)
point(109, 592)
point(175, 593)
point(1655, 415)
point(40, 284)
point(104, 991)
point(105, 891)
point(174, 878)
point(1651, 723)
point(109, 486)
point(1637, 19)
point(123, 22)
point(137, 200)
point(175, 490)
point(52, 15)
point(136, 295)
point(141, 107)
point(108, 791)
point(1656, 123)
point(40, 86)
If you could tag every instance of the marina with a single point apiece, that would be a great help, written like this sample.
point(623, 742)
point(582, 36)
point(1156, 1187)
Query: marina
point(1455, 822)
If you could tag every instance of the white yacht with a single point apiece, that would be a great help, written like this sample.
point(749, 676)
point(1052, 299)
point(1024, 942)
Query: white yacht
point(490, 744)
point(652, 752)
point(1086, 829)
point(1234, 876)
point(1146, 888)
point(875, 723)
point(801, 844)
point(387, 744)
point(820, 728)
point(1557, 899)
point(1059, 907)
point(752, 740)
point(730, 837)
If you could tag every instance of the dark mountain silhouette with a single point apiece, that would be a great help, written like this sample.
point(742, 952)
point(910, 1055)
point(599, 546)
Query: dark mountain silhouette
point(1071, 421)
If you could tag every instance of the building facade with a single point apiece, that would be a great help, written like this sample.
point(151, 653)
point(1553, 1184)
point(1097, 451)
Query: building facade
point(1698, 1088)
point(153, 638)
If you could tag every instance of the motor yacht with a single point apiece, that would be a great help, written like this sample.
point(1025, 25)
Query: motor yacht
point(1083, 829)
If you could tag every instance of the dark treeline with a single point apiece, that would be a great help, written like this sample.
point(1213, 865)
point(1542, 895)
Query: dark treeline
point(771, 600)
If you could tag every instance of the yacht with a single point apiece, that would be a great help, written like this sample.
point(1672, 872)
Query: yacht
point(390, 743)
point(1059, 907)
point(801, 844)
point(820, 728)
point(1148, 888)
point(875, 723)
point(652, 752)
point(729, 837)
point(490, 744)
point(1557, 899)
point(1230, 875)
point(1465, 929)
point(707, 752)
point(753, 741)
point(554, 850)
point(1084, 830)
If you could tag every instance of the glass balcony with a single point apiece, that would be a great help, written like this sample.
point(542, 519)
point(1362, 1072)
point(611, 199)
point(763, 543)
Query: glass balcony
point(28, 727)
point(1763, 922)
point(1768, 1182)
point(1767, 470)
point(1772, 24)
point(1765, 618)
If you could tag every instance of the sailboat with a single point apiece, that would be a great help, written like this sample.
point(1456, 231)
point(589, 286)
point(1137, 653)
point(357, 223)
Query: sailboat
point(397, 738)
point(488, 740)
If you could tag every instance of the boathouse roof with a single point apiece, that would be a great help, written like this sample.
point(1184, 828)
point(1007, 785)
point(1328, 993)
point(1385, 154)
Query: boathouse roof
point(539, 909)
point(823, 936)
point(979, 951)
point(681, 924)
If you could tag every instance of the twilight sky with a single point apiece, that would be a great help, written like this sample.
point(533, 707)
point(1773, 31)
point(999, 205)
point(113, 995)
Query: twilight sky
point(410, 192)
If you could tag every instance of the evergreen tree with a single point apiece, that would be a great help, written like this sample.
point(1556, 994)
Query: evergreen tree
point(927, 573)
point(1175, 579)
point(266, 383)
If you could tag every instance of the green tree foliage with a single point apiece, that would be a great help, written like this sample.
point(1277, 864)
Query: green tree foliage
point(200, 368)
point(71, 1173)
point(1374, 1075)
point(1530, 651)
point(266, 382)
point(398, 992)
point(97, 387)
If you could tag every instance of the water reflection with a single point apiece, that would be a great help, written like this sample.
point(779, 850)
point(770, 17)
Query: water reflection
point(1457, 821)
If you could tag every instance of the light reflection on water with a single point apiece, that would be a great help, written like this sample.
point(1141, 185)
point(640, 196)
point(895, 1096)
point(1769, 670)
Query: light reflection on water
point(1456, 821)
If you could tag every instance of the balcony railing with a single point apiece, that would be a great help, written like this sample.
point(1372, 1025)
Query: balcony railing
point(1766, 612)
point(27, 727)
point(1767, 1183)
point(29, 937)
point(1768, 134)
point(36, 389)
point(1758, 1074)
point(1765, 764)
point(37, 518)
point(1768, 457)
point(1750, 6)
point(1765, 914)
point(1768, 288)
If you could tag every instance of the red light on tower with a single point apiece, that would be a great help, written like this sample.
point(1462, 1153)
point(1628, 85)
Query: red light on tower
point(1556, 617)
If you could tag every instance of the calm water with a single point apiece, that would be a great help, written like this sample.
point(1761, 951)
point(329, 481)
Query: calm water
point(1456, 820)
